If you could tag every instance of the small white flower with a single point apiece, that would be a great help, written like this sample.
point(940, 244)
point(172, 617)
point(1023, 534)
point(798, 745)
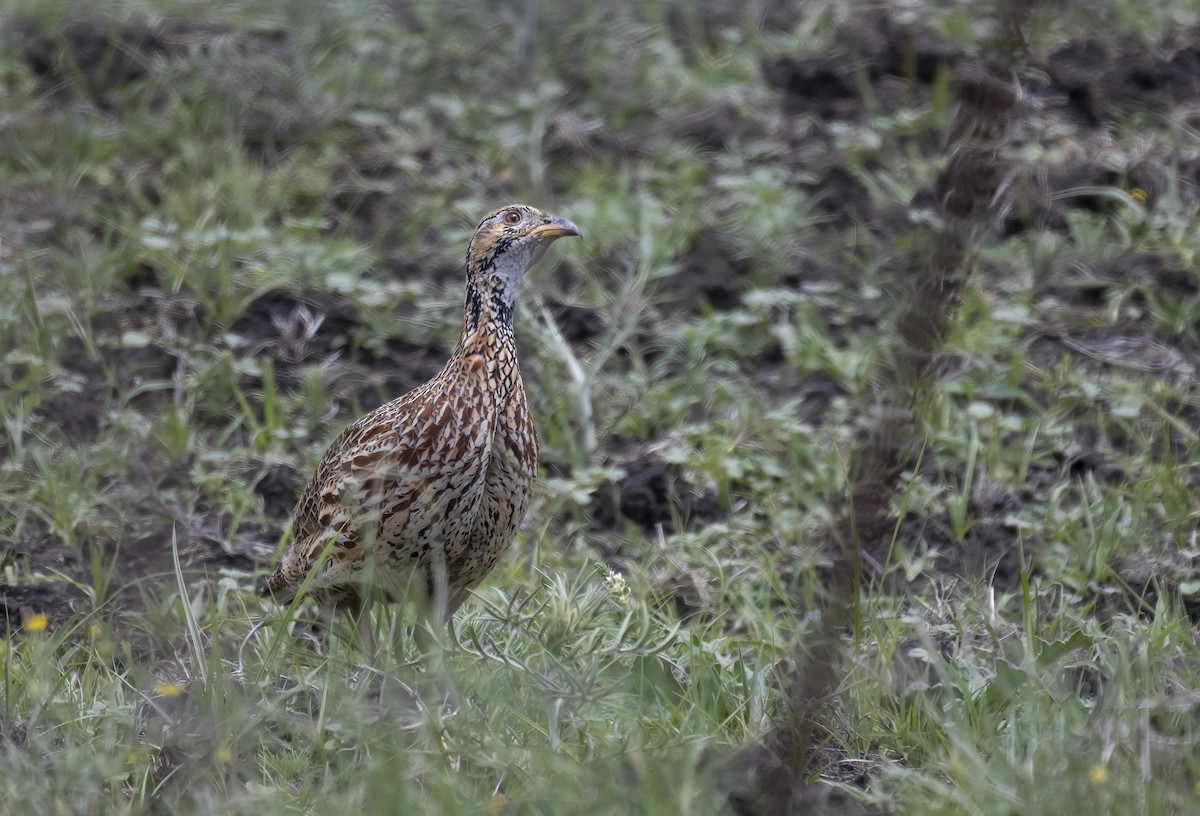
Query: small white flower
point(617, 586)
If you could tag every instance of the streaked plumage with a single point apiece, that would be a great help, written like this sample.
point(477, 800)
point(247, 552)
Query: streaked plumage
point(434, 484)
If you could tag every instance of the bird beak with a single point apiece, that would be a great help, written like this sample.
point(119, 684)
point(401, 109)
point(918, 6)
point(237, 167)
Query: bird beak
point(556, 228)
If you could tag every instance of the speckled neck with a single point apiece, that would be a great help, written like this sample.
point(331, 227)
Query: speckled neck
point(487, 339)
point(487, 309)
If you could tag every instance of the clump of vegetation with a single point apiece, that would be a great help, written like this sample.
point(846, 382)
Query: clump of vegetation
point(867, 407)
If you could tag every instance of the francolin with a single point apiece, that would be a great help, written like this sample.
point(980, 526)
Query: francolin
point(427, 491)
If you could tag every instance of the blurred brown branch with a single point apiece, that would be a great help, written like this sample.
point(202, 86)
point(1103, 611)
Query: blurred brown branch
point(970, 197)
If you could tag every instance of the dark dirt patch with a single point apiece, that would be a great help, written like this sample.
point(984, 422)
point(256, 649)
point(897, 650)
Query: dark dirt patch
point(571, 138)
point(760, 782)
point(1093, 80)
point(98, 60)
point(95, 56)
point(298, 329)
point(713, 127)
point(1100, 79)
point(141, 306)
point(580, 324)
point(1081, 460)
point(1124, 346)
point(12, 734)
point(993, 544)
point(427, 268)
point(40, 553)
point(138, 371)
point(1078, 303)
point(1085, 183)
point(820, 85)
point(364, 201)
point(43, 552)
point(403, 368)
point(876, 48)
point(150, 559)
point(77, 402)
point(1135, 274)
point(817, 391)
point(292, 328)
point(57, 600)
point(651, 493)
point(103, 54)
point(779, 380)
point(1086, 681)
point(80, 395)
point(132, 368)
point(990, 550)
point(712, 274)
point(843, 198)
point(136, 571)
point(141, 574)
point(277, 485)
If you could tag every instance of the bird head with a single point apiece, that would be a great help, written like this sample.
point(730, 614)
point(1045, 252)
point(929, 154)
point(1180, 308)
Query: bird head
point(510, 240)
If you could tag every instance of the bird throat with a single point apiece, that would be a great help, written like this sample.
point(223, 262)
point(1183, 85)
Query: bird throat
point(487, 327)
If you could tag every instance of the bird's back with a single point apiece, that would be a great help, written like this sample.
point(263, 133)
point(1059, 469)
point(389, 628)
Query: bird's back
point(438, 478)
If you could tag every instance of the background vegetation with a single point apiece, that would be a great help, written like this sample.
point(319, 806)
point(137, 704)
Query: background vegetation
point(228, 228)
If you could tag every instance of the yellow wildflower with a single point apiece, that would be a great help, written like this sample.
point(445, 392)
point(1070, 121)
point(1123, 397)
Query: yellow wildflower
point(1138, 195)
point(1098, 774)
point(169, 688)
point(37, 622)
point(223, 755)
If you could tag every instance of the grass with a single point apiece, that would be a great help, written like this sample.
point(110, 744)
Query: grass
point(223, 237)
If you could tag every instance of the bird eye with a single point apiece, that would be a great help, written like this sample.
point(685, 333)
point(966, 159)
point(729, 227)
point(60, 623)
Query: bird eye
point(512, 217)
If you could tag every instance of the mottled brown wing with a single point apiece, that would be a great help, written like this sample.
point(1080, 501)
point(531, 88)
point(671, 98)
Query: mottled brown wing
point(370, 473)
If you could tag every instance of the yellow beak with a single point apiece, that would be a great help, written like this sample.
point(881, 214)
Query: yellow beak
point(556, 227)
